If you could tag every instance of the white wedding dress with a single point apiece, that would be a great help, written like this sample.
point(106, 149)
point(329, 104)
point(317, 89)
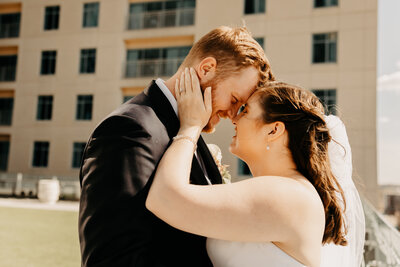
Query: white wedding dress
point(240, 254)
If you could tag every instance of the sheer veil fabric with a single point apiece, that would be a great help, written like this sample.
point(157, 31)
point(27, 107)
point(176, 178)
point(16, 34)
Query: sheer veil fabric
point(341, 163)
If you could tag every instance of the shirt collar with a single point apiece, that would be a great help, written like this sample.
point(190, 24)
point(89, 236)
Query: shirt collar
point(168, 94)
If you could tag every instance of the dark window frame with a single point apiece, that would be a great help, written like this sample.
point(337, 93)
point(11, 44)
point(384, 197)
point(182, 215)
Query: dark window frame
point(6, 110)
point(260, 41)
point(8, 68)
point(91, 12)
point(49, 62)
point(4, 154)
point(41, 151)
point(88, 61)
point(324, 47)
point(44, 108)
point(51, 18)
point(84, 108)
point(77, 154)
point(253, 7)
point(243, 168)
point(325, 3)
point(328, 98)
point(10, 24)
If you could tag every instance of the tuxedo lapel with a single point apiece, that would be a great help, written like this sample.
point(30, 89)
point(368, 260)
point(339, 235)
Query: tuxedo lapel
point(211, 167)
point(162, 107)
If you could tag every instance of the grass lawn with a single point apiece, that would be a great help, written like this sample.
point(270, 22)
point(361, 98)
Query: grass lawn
point(38, 238)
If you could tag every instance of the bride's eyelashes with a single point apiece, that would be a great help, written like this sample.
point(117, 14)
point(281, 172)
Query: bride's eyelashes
point(242, 109)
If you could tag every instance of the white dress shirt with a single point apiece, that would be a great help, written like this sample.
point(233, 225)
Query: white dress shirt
point(160, 83)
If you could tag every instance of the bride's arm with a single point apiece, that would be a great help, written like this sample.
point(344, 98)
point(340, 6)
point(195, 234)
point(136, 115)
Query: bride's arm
point(252, 210)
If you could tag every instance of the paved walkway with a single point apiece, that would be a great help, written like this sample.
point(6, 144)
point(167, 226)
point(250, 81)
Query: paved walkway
point(36, 204)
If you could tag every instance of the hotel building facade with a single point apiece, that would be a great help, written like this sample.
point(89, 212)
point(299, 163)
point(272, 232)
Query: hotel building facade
point(65, 65)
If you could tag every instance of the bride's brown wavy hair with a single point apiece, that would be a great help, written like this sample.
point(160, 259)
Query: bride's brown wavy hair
point(303, 115)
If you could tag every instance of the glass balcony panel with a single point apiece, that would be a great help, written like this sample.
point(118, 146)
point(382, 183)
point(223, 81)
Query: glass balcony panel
point(152, 68)
point(161, 18)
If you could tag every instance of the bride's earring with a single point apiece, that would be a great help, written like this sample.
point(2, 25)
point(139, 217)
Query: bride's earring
point(268, 147)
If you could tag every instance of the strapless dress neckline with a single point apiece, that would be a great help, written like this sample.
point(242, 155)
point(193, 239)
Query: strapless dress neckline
point(246, 254)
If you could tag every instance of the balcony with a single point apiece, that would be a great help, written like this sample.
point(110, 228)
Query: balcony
point(382, 242)
point(161, 19)
point(152, 68)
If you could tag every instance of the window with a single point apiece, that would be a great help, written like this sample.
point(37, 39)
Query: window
point(77, 154)
point(155, 62)
point(90, 15)
point(88, 61)
point(84, 107)
point(260, 41)
point(324, 47)
point(243, 169)
point(8, 68)
point(45, 107)
point(4, 150)
point(325, 3)
point(254, 6)
point(161, 14)
point(9, 25)
point(40, 154)
point(51, 17)
point(6, 109)
point(328, 99)
point(48, 62)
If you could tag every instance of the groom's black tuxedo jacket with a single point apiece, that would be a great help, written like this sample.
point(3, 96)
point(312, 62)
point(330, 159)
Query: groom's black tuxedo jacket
point(118, 167)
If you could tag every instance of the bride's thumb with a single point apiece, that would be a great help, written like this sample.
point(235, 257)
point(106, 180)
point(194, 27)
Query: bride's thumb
point(208, 100)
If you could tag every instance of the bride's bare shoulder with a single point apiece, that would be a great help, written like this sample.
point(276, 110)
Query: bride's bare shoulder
point(292, 193)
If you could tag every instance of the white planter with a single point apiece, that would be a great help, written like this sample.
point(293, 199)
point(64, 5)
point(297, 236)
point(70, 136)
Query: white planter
point(49, 190)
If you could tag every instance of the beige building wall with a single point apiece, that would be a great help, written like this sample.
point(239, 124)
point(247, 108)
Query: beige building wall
point(287, 28)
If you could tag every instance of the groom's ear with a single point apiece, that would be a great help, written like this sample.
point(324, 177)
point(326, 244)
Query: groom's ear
point(206, 69)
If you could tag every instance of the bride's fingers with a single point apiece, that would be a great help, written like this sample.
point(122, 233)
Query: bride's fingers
point(188, 81)
point(208, 100)
point(182, 83)
point(177, 92)
point(195, 81)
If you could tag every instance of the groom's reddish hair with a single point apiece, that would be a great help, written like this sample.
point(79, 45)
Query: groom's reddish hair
point(234, 49)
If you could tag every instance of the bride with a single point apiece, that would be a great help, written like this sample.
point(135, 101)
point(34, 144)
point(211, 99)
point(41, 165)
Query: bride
point(280, 217)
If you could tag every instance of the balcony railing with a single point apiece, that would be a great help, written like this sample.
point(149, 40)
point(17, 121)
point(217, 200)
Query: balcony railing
point(152, 68)
point(26, 185)
point(9, 30)
point(161, 19)
point(382, 243)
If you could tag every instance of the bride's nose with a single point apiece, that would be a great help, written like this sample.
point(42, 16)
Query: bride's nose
point(234, 119)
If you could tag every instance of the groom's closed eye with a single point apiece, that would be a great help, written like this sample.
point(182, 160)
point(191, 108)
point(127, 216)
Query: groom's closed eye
point(234, 100)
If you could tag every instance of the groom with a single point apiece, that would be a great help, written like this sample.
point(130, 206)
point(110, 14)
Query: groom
point(121, 156)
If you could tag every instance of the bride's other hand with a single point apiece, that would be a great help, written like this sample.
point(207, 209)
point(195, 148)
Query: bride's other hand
point(194, 111)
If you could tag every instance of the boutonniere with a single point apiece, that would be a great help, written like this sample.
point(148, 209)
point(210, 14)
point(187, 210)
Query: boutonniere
point(223, 169)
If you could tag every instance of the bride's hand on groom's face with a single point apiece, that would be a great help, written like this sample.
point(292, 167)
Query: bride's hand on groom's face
point(194, 111)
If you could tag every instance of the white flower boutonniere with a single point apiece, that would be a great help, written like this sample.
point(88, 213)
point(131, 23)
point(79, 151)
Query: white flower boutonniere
point(223, 169)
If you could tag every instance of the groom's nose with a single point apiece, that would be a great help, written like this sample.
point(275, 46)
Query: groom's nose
point(232, 112)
